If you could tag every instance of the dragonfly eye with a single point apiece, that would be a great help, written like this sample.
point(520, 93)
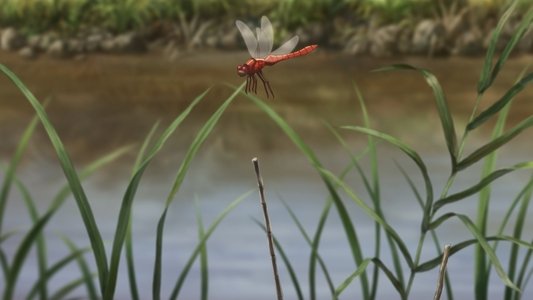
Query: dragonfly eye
point(242, 70)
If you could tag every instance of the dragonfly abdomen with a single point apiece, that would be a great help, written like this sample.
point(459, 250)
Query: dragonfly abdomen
point(272, 59)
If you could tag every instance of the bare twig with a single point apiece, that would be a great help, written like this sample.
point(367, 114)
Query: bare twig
point(442, 272)
point(268, 228)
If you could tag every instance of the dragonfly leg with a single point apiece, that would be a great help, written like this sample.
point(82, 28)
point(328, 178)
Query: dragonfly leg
point(247, 88)
point(266, 84)
point(254, 83)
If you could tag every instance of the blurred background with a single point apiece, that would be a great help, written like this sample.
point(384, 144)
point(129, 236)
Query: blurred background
point(111, 69)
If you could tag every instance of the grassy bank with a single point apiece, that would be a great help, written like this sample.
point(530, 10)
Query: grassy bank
point(36, 16)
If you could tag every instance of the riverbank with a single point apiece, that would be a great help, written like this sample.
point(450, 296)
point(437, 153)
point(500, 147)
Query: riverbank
point(434, 30)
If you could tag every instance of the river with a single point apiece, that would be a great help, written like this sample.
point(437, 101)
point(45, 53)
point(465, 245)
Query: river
point(102, 102)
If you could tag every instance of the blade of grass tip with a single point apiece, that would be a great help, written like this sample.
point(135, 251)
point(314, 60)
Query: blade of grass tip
point(520, 223)
point(480, 185)
point(40, 242)
point(79, 194)
point(501, 103)
point(481, 271)
point(130, 261)
point(494, 144)
point(286, 261)
point(204, 274)
point(9, 174)
point(58, 266)
point(314, 249)
point(515, 38)
point(92, 292)
point(416, 159)
point(184, 272)
point(486, 77)
point(349, 229)
point(442, 107)
point(199, 139)
point(127, 200)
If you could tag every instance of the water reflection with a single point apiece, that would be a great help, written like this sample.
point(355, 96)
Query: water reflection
point(105, 102)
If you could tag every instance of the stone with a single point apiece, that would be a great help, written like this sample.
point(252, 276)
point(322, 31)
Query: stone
point(57, 49)
point(383, 43)
point(27, 52)
point(11, 40)
point(130, 42)
point(75, 46)
point(93, 42)
point(428, 37)
point(470, 43)
point(34, 41)
point(46, 40)
point(358, 44)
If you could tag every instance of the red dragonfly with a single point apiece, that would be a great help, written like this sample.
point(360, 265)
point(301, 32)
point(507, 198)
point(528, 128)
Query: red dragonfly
point(260, 49)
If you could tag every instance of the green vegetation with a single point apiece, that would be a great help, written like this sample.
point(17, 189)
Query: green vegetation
point(122, 15)
point(405, 264)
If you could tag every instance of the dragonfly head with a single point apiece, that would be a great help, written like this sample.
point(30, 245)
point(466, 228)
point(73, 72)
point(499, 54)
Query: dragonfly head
point(242, 70)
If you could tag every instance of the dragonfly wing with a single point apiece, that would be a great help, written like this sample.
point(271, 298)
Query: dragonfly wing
point(265, 37)
point(287, 47)
point(249, 38)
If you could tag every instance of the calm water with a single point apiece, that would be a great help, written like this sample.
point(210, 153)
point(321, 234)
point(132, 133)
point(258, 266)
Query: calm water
point(104, 102)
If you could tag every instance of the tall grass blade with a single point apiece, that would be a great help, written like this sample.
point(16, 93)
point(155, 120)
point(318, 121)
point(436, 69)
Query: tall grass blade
point(197, 249)
point(487, 76)
point(346, 282)
point(349, 229)
point(130, 261)
point(127, 201)
point(372, 213)
point(67, 289)
point(72, 177)
point(199, 139)
point(55, 268)
point(10, 172)
point(92, 293)
point(480, 185)
point(286, 261)
point(416, 159)
point(204, 272)
point(501, 103)
point(442, 107)
point(494, 144)
point(515, 38)
point(520, 224)
point(314, 257)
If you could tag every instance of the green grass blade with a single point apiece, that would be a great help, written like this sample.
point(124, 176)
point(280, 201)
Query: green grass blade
point(314, 257)
point(372, 213)
point(127, 201)
point(92, 292)
point(197, 249)
point(199, 139)
point(416, 159)
point(5, 264)
point(517, 234)
point(10, 173)
point(501, 103)
point(442, 107)
point(523, 277)
point(72, 177)
point(346, 282)
point(20, 256)
point(58, 266)
point(130, 261)
point(480, 185)
point(67, 289)
point(515, 38)
point(40, 242)
point(487, 76)
point(349, 229)
point(286, 261)
point(204, 272)
point(495, 144)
